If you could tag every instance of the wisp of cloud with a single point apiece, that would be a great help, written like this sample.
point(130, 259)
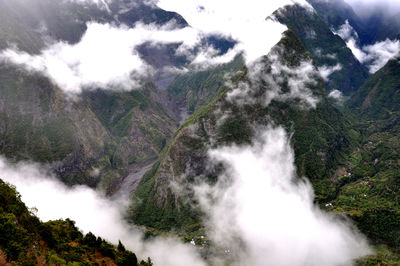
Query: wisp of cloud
point(375, 56)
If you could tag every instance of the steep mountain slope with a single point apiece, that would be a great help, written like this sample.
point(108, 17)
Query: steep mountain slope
point(97, 137)
point(381, 27)
point(370, 29)
point(196, 89)
point(38, 123)
point(374, 171)
point(25, 240)
point(23, 22)
point(326, 48)
point(379, 97)
point(349, 152)
point(103, 131)
point(336, 12)
point(140, 122)
point(320, 136)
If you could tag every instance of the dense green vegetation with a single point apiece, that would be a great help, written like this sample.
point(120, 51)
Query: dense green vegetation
point(197, 89)
point(136, 119)
point(379, 97)
point(25, 240)
point(103, 130)
point(370, 181)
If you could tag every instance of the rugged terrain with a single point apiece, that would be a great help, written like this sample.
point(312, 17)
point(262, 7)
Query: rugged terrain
point(348, 147)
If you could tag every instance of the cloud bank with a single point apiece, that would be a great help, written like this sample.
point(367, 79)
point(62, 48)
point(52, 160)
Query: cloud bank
point(374, 56)
point(107, 55)
point(92, 212)
point(263, 215)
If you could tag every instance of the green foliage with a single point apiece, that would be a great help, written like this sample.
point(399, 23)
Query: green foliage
point(235, 130)
point(129, 259)
point(379, 97)
point(381, 225)
point(198, 89)
point(121, 247)
point(22, 236)
point(45, 139)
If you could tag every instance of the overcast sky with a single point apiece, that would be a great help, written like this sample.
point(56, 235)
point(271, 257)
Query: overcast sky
point(366, 7)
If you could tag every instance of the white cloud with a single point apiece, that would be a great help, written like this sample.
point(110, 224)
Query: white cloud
point(350, 36)
point(337, 95)
point(264, 215)
point(378, 54)
point(243, 21)
point(365, 8)
point(104, 56)
point(258, 209)
point(298, 80)
point(107, 57)
point(326, 71)
point(92, 212)
point(375, 56)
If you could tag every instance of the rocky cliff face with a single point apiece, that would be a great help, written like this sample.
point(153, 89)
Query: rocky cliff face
point(97, 136)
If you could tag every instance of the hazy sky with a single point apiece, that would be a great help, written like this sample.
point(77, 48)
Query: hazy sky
point(366, 7)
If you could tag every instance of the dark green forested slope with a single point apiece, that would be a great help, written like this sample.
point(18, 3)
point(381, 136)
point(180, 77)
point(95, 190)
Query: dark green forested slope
point(371, 189)
point(38, 123)
point(197, 89)
point(379, 97)
point(25, 240)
